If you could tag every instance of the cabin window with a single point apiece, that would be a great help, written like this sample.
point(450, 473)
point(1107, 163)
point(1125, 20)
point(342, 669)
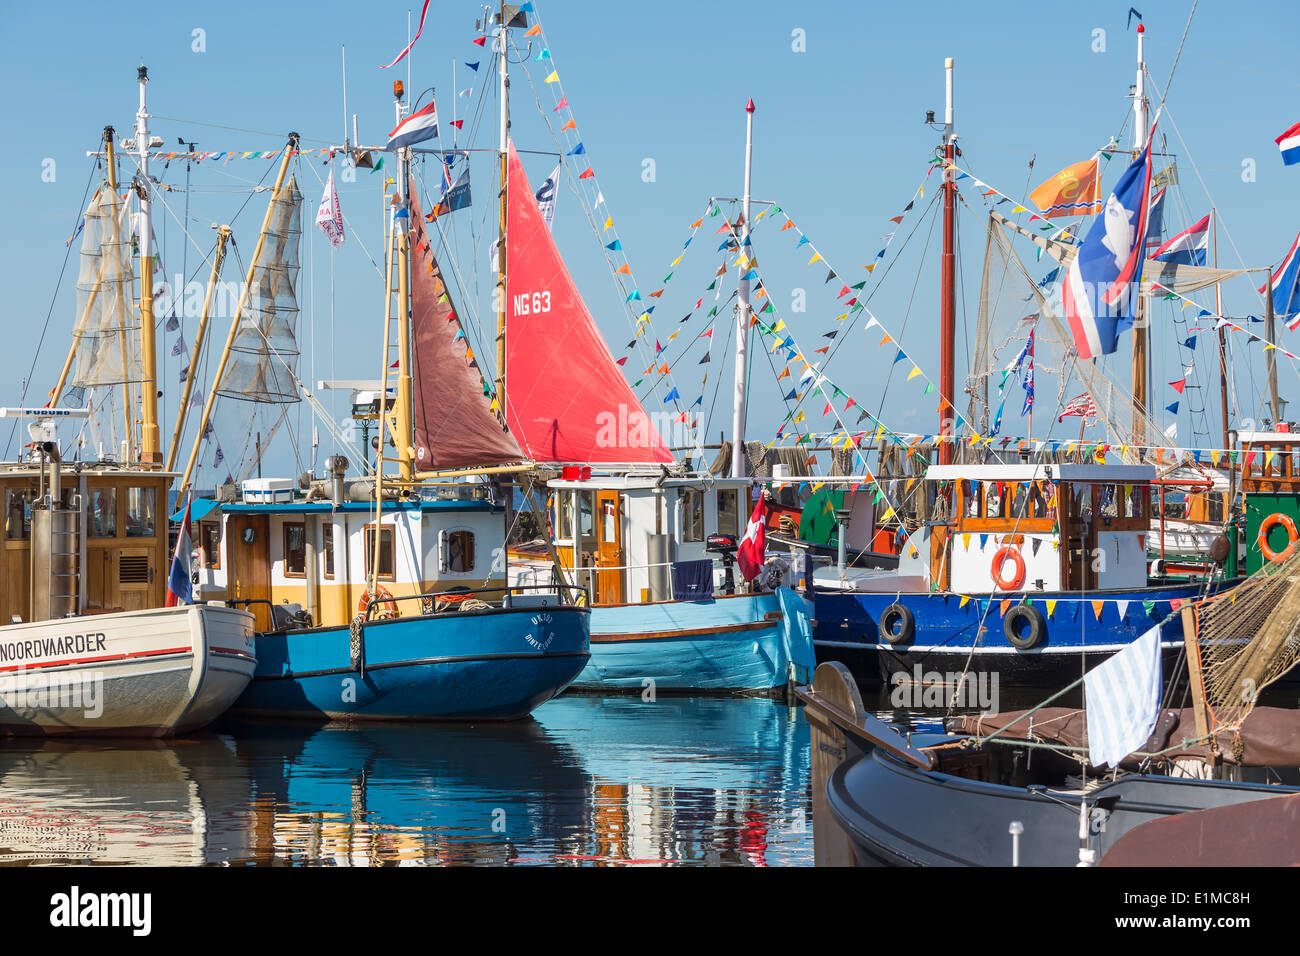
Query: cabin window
point(458, 551)
point(692, 516)
point(141, 513)
point(993, 501)
point(1215, 502)
point(586, 521)
point(328, 550)
point(972, 499)
point(564, 516)
point(295, 550)
point(1081, 501)
point(103, 513)
point(729, 511)
point(387, 567)
point(1035, 502)
point(210, 542)
point(18, 514)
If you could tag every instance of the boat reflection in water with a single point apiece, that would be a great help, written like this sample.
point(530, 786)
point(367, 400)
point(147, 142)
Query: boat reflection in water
point(586, 782)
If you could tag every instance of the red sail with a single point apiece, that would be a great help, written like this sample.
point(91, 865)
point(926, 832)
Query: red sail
point(454, 424)
point(566, 400)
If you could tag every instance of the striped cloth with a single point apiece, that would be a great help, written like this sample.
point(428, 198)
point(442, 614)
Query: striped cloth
point(1123, 700)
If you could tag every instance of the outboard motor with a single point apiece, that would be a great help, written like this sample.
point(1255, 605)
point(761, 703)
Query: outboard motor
point(725, 545)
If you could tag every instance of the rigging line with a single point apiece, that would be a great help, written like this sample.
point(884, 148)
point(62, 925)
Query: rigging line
point(687, 345)
point(866, 300)
point(67, 254)
point(1178, 55)
point(717, 384)
point(238, 129)
point(347, 222)
point(592, 222)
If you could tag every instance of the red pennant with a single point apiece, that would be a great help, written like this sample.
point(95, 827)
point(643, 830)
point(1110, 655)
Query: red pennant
point(480, 41)
point(1179, 385)
point(564, 101)
point(587, 173)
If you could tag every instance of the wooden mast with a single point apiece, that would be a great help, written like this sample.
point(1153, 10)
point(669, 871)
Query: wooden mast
point(223, 236)
point(948, 284)
point(504, 133)
point(289, 151)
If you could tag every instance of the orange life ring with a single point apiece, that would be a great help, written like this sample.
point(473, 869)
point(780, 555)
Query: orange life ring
point(999, 562)
point(389, 606)
point(1267, 525)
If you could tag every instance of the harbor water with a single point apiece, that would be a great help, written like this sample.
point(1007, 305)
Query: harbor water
point(585, 782)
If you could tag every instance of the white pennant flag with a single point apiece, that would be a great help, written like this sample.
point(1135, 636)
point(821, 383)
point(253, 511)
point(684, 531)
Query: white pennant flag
point(545, 195)
point(330, 215)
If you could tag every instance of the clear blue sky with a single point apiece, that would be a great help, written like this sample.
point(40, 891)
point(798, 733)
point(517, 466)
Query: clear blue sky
point(839, 144)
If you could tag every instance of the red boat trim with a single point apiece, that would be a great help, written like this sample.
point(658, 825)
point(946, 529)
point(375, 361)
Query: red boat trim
point(685, 632)
point(100, 659)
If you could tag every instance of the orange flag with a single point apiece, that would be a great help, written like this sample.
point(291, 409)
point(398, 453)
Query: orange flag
point(1071, 192)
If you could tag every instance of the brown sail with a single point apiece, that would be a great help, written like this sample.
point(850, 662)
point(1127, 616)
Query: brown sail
point(454, 421)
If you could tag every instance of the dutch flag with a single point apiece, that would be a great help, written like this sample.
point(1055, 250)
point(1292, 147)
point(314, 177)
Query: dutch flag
point(179, 590)
point(416, 128)
point(1289, 144)
point(1188, 248)
point(1286, 287)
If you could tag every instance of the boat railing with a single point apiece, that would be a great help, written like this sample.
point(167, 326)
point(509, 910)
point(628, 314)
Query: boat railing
point(577, 595)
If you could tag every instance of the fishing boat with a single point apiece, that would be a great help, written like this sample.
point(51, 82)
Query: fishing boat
point(629, 522)
point(1058, 786)
point(384, 597)
point(89, 645)
point(1016, 559)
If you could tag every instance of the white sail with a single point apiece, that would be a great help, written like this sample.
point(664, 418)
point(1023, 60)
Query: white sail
point(107, 327)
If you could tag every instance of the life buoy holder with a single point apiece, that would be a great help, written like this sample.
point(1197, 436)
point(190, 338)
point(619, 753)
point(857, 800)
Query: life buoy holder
point(1267, 525)
point(897, 624)
point(388, 607)
point(999, 565)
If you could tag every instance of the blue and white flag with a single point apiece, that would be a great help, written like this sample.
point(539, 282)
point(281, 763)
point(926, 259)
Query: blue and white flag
point(1123, 700)
point(1188, 248)
point(1156, 214)
point(1099, 294)
point(416, 128)
point(179, 590)
point(1286, 287)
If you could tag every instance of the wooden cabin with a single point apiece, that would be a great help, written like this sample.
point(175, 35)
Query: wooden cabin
point(111, 554)
point(1071, 527)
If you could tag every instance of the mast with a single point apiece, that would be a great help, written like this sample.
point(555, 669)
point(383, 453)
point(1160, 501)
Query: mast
point(223, 236)
point(1139, 324)
point(1223, 345)
point(503, 134)
point(150, 455)
point(403, 437)
point(742, 313)
point(948, 281)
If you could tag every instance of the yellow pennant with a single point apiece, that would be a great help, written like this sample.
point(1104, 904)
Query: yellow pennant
point(553, 78)
point(916, 370)
point(965, 542)
point(965, 598)
point(816, 258)
point(1096, 608)
point(1051, 609)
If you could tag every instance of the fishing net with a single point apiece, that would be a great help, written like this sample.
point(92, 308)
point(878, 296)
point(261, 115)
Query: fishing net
point(1248, 637)
point(265, 352)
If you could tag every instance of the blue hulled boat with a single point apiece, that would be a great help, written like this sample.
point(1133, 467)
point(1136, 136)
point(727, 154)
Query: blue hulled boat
point(1023, 570)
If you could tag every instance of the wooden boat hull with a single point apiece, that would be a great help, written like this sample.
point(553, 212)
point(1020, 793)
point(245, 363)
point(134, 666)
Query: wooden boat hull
point(734, 644)
point(491, 664)
point(148, 673)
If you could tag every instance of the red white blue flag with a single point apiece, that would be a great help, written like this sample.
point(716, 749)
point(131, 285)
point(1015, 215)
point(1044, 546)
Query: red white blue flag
point(1099, 294)
point(1188, 248)
point(416, 128)
point(1289, 144)
point(1286, 287)
point(179, 589)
